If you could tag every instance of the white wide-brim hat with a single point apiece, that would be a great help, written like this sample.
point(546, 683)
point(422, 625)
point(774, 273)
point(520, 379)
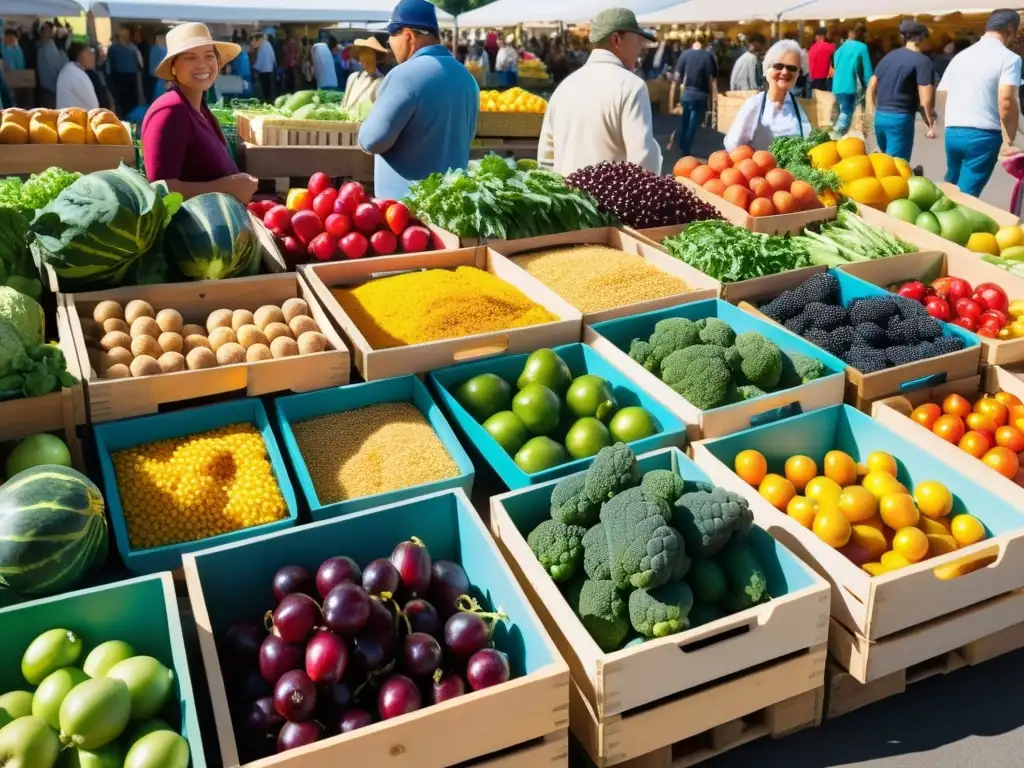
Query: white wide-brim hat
point(187, 37)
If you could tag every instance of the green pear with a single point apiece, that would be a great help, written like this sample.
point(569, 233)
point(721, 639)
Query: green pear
point(28, 742)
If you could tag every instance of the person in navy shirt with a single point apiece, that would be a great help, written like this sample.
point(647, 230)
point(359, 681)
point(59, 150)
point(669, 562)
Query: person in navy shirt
point(425, 115)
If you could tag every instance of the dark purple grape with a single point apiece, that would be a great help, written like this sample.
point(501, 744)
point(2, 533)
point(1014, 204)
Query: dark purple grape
point(295, 617)
point(381, 576)
point(369, 653)
point(295, 696)
point(295, 735)
point(336, 698)
point(423, 617)
point(263, 719)
point(249, 685)
point(486, 668)
point(326, 657)
point(292, 579)
point(466, 633)
point(421, 654)
point(398, 696)
point(353, 720)
point(382, 617)
point(278, 657)
point(241, 644)
point(448, 582)
point(346, 609)
point(447, 685)
point(335, 571)
point(413, 562)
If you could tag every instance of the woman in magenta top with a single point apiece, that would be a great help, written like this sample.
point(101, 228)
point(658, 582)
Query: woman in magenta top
point(181, 140)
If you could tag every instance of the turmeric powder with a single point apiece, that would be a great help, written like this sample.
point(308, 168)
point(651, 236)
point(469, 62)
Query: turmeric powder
point(437, 304)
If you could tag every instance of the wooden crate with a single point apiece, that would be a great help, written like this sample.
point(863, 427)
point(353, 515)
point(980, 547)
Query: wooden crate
point(302, 162)
point(779, 224)
point(727, 106)
point(509, 125)
point(276, 131)
point(118, 398)
point(517, 149)
point(419, 358)
point(21, 159)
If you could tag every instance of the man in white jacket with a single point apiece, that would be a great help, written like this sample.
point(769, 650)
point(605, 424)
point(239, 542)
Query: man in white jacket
point(602, 111)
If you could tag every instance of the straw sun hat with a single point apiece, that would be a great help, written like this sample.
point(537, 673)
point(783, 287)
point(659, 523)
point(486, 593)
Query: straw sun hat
point(369, 42)
point(186, 37)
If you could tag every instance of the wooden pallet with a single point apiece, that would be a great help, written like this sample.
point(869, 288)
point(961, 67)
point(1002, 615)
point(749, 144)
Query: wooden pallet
point(845, 694)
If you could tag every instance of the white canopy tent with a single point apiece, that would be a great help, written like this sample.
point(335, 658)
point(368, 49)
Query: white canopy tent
point(503, 13)
point(881, 9)
point(249, 11)
point(710, 11)
point(45, 9)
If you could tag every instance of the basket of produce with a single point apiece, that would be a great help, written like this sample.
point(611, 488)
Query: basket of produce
point(103, 680)
point(425, 311)
point(459, 650)
point(606, 273)
point(180, 482)
point(544, 415)
point(718, 368)
point(659, 647)
point(73, 139)
point(366, 445)
point(910, 543)
point(304, 118)
point(146, 347)
point(889, 343)
point(511, 114)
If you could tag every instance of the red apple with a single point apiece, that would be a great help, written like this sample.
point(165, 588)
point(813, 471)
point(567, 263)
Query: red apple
point(323, 204)
point(255, 207)
point(398, 217)
point(366, 218)
point(966, 307)
point(995, 317)
point(306, 226)
point(351, 196)
point(383, 243)
point(278, 218)
point(323, 247)
point(415, 239)
point(318, 182)
point(338, 225)
point(968, 322)
point(937, 307)
point(913, 290)
point(353, 245)
point(991, 296)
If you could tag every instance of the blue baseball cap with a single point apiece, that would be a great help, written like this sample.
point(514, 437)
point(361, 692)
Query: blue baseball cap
point(413, 14)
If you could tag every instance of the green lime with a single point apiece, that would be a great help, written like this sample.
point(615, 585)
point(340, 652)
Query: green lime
point(537, 407)
point(632, 423)
point(484, 395)
point(508, 430)
point(586, 437)
point(590, 395)
point(547, 368)
point(540, 453)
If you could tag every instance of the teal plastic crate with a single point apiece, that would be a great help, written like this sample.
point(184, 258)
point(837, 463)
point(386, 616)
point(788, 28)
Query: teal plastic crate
point(143, 612)
point(116, 435)
point(581, 360)
point(613, 338)
point(231, 583)
point(403, 389)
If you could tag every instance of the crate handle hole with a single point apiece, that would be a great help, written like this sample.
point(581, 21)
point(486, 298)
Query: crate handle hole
point(967, 564)
point(719, 637)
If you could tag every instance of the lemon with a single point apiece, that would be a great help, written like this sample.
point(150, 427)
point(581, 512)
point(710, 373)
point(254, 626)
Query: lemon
point(1007, 237)
point(983, 242)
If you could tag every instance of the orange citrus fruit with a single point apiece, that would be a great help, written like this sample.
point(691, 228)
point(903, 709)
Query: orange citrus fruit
point(823, 489)
point(840, 467)
point(875, 522)
point(875, 569)
point(949, 427)
point(882, 484)
point(858, 504)
point(967, 530)
point(894, 560)
point(1010, 437)
point(911, 543)
point(898, 510)
point(800, 470)
point(956, 405)
point(941, 544)
point(832, 527)
point(938, 527)
point(880, 461)
point(870, 539)
point(989, 406)
point(1002, 460)
point(802, 509)
point(777, 490)
point(1007, 399)
point(751, 466)
point(981, 422)
point(933, 499)
point(926, 414)
point(976, 443)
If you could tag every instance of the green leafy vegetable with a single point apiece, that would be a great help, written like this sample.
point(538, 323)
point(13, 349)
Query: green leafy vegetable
point(37, 192)
point(17, 269)
point(28, 367)
point(849, 238)
point(790, 152)
point(729, 253)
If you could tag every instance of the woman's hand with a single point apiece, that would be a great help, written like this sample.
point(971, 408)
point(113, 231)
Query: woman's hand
point(241, 186)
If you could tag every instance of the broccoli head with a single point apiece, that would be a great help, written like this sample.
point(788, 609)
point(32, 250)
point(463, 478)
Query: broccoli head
point(707, 580)
point(670, 335)
point(643, 550)
point(604, 613)
point(661, 611)
point(640, 351)
point(761, 359)
point(614, 470)
point(708, 519)
point(596, 562)
point(749, 392)
point(663, 484)
point(748, 584)
point(570, 503)
point(558, 547)
point(717, 332)
point(700, 374)
point(799, 369)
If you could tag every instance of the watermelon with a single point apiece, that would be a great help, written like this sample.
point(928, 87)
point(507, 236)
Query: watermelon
point(211, 238)
point(52, 530)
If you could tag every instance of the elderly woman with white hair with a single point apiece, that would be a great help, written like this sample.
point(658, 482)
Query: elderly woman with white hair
point(775, 111)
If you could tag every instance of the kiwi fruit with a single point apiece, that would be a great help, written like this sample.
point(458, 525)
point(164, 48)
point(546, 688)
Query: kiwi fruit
point(146, 345)
point(118, 371)
point(195, 341)
point(241, 317)
point(171, 362)
point(249, 335)
point(274, 330)
point(311, 342)
point(114, 324)
point(107, 310)
point(190, 329)
point(302, 323)
point(170, 341)
point(221, 336)
point(145, 326)
point(119, 356)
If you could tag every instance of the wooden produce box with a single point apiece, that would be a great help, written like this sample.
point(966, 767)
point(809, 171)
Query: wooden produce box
point(637, 700)
point(509, 125)
point(779, 224)
point(118, 398)
point(700, 285)
point(418, 358)
point(727, 107)
point(270, 162)
point(22, 159)
point(275, 131)
point(526, 716)
point(864, 388)
point(142, 612)
point(894, 620)
point(822, 111)
point(612, 339)
point(928, 265)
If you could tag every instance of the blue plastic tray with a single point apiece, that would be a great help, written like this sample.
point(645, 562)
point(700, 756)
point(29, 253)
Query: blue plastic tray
point(125, 433)
point(581, 360)
point(403, 389)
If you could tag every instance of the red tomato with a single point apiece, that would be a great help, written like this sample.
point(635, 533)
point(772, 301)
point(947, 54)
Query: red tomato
point(323, 203)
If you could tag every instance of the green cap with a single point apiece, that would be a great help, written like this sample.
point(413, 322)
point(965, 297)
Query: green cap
point(616, 20)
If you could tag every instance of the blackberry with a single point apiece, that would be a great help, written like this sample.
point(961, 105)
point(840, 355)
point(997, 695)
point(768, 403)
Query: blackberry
point(840, 339)
point(823, 287)
point(908, 308)
point(825, 316)
point(785, 306)
point(877, 309)
point(901, 354)
point(866, 359)
point(798, 324)
point(928, 328)
point(945, 344)
point(817, 336)
point(901, 331)
point(870, 334)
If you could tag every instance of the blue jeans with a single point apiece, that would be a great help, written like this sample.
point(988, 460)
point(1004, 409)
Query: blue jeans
point(971, 155)
point(693, 115)
point(847, 103)
point(894, 132)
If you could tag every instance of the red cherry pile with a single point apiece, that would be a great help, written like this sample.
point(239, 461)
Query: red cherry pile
point(324, 223)
point(347, 647)
point(982, 309)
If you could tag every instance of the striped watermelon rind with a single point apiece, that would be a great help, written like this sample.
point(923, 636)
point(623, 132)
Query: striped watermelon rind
point(211, 238)
point(53, 529)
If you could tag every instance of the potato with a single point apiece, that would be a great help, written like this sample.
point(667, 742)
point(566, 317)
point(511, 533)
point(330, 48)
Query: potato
point(171, 362)
point(293, 308)
point(137, 308)
point(107, 310)
point(241, 317)
point(170, 342)
point(249, 335)
point(144, 365)
point(169, 320)
point(115, 324)
point(145, 326)
point(119, 356)
point(119, 371)
point(190, 329)
point(302, 323)
point(230, 353)
point(273, 330)
point(258, 352)
point(221, 336)
point(219, 318)
point(146, 345)
point(312, 341)
point(268, 314)
point(283, 346)
point(195, 341)
point(116, 339)
point(201, 357)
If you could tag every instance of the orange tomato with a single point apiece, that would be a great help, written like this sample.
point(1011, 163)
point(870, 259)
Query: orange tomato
point(805, 195)
point(720, 160)
point(761, 188)
point(702, 174)
point(1008, 399)
point(803, 510)
point(911, 543)
point(938, 527)
point(784, 202)
point(1002, 460)
point(780, 179)
point(898, 511)
point(967, 530)
point(741, 153)
point(956, 405)
point(761, 207)
point(989, 406)
point(765, 160)
point(732, 176)
point(976, 443)
point(1010, 437)
point(832, 527)
point(800, 470)
point(926, 414)
point(880, 461)
point(893, 561)
point(823, 489)
point(941, 544)
point(981, 422)
point(840, 467)
point(858, 504)
point(874, 522)
point(949, 427)
point(749, 168)
point(751, 466)
point(737, 194)
point(933, 499)
point(777, 490)
point(684, 166)
point(715, 187)
point(869, 538)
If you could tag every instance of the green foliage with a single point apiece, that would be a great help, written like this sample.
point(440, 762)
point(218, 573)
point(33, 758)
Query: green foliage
point(760, 359)
point(558, 547)
point(704, 613)
point(661, 611)
point(613, 470)
point(791, 153)
point(570, 503)
point(700, 374)
point(708, 519)
point(37, 191)
point(644, 550)
point(729, 253)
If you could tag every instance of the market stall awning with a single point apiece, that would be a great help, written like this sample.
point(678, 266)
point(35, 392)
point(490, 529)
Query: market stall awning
point(880, 9)
point(708, 11)
point(40, 8)
point(250, 11)
point(511, 12)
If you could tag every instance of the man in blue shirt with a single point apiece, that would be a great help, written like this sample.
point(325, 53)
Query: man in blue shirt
point(425, 114)
point(10, 51)
point(696, 74)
